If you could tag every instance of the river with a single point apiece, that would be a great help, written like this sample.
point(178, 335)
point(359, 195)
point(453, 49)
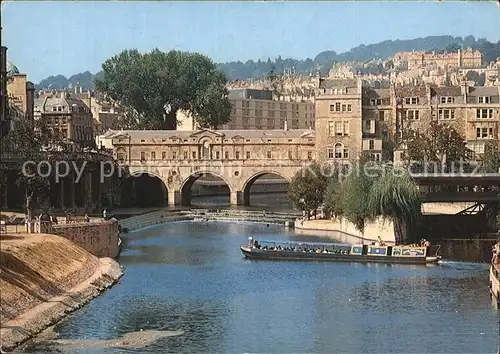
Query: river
point(191, 277)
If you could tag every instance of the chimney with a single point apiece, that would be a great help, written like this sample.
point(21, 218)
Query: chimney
point(76, 88)
point(285, 127)
point(81, 89)
point(63, 94)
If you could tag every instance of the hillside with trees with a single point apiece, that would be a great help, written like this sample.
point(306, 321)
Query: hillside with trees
point(322, 62)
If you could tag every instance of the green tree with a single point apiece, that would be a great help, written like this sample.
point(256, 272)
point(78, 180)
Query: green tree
point(154, 86)
point(490, 162)
point(395, 196)
point(439, 143)
point(308, 186)
point(354, 191)
point(333, 197)
point(28, 145)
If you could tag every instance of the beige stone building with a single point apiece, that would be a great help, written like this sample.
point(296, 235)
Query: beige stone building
point(21, 93)
point(352, 117)
point(339, 123)
point(69, 117)
point(468, 58)
point(256, 110)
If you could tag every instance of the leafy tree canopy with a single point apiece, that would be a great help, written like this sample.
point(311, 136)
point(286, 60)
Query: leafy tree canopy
point(154, 86)
point(308, 186)
point(491, 158)
point(28, 142)
point(439, 143)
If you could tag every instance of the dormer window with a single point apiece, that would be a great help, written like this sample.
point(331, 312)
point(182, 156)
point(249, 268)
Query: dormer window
point(445, 99)
point(411, 100)
point(375, 102)
point(483, 99)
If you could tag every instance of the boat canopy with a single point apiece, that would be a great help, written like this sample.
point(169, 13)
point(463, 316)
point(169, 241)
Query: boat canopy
point(305, 243)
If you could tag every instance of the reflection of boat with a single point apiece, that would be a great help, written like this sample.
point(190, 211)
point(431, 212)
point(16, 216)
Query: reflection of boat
point(336, 252)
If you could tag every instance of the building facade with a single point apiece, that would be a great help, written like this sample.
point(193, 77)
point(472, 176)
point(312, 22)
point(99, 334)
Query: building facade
point(352, 117)
point(254, 109)
point(68, 117)
point(468, 58)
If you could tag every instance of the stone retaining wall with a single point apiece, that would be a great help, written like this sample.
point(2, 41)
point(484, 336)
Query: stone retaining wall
point(345, 231)
point(101, 238)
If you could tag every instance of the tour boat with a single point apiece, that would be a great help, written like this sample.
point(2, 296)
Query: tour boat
point(336, 252)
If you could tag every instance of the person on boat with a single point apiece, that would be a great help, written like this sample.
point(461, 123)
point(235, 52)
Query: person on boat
point(250, 241)
point(256, 244)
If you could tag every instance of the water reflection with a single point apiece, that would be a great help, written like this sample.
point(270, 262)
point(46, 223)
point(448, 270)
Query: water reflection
point(192, 277)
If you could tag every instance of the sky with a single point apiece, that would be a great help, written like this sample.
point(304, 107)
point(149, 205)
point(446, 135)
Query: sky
point(49, 38)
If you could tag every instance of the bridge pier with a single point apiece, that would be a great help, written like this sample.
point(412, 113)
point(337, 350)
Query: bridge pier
point(174, 198)
point(237, 198)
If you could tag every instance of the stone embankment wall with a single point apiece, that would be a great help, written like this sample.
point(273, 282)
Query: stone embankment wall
point(100, 237)
point(43, 277)
point(345, 231)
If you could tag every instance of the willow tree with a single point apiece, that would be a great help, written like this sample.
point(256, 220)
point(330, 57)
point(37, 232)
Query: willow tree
point(152, 87)
point(354, 192)
point(395, 196)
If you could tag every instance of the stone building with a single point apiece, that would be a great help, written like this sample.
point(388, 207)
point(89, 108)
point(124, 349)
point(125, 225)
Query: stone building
point(21, 93)
point(254, 109)
point(339, 122)
point(69, 117)
point(3, 92)
point(352, 117)
point(468, 58)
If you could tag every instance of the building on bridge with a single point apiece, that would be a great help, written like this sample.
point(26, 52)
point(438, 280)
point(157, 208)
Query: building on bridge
point(176, 159)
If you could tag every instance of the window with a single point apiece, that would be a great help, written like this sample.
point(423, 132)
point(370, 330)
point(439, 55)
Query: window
point(337, 107)
point(367, 126)
point(143, 156)
point(484, 133)
point(346, 153)
point(237, 155)
point(226, 155)
point(248, 155)
point(346, 128)
point(290, 155)
point(332, 108)
point(331, 128)
point(483, 99)
point(164, 155)
point(269, 155)
point(375, 102)
point(217, 155)
point(174, 155)
point(412, 114)
point(371, 144)
point(381, 116)
point(344, 108)
point(338, 151)
point(330, 153)
point(194, 154)
point(445, 99)
point(484, 113)
point(153, 155)
point(446, 114)
point(411, 100)
point(309, 155)
point(349, 108)
point(338, 129)
point(185, 155)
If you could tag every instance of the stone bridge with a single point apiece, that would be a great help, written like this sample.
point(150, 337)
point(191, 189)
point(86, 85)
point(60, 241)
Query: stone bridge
point(179, 176)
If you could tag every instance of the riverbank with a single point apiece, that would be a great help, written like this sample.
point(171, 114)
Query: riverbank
point(44, 277)
point(495, 273)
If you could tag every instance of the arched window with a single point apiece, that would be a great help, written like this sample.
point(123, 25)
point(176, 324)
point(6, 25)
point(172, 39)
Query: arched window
point(338, 150)
point(121, 154)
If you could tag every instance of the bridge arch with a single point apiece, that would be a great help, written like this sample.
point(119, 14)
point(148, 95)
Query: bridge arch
point(188, 183)
point(246, 190)
point(143, 189)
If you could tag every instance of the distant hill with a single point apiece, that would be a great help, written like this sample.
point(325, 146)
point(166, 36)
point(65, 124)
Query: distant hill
point(322, 62)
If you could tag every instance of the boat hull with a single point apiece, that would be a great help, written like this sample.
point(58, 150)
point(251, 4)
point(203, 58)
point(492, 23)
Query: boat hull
point(332, 257)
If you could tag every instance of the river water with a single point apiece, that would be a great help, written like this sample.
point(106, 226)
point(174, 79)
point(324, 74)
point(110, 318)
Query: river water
point(192, 277)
